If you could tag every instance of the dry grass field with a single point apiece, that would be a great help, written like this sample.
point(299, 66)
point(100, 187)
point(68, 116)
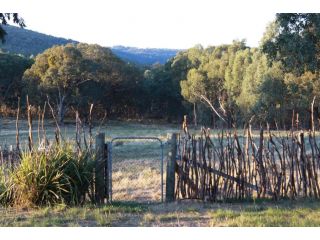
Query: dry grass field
point(301, 213)
point(136, 170)
point(110, 128)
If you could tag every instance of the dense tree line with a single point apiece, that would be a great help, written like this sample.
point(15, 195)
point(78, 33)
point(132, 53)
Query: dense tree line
point(274, 83)
point(226, 85)
point(12, 68)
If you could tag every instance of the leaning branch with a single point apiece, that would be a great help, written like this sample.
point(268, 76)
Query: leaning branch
point(210, 105)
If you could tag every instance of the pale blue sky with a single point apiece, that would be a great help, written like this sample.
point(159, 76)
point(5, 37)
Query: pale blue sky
point(156, 23)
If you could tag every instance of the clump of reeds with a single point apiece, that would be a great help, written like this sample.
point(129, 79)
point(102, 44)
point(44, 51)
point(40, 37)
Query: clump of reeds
point(52, 173)
point(48, 178)
point(2, 186)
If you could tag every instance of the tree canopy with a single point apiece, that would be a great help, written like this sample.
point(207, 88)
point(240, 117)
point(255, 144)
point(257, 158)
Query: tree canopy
point(76, 75)
point(295, 41)
point(228, 85)
point(12, 68)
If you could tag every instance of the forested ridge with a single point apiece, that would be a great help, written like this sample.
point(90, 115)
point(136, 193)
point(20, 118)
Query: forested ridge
point(30, 43)
point(226, 85)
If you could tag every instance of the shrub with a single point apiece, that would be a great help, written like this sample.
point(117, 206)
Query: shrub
point(2, 186)
point(47, 178)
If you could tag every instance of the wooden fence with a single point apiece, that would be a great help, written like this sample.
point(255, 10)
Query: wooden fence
point(228, 166)
point(9, 157)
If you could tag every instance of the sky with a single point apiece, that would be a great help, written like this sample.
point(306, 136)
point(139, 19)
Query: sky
point(176, 24)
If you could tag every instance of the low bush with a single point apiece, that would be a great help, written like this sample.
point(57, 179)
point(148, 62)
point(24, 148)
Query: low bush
point(56, 176)
point(2, 186)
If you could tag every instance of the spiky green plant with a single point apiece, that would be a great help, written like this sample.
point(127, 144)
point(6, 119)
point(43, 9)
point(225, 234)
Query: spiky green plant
point(2, 186)
point(47, 178)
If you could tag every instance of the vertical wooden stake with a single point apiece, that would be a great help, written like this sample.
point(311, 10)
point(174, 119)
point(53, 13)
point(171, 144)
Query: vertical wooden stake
point(106, 172)
point(17, 127)
point(171, 164)
point(30, 138)
point(99, 168)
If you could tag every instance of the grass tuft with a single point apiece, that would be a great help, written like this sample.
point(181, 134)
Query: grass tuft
point(58, 176)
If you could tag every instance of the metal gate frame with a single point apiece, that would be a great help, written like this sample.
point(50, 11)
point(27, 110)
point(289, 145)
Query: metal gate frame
point(132, 138)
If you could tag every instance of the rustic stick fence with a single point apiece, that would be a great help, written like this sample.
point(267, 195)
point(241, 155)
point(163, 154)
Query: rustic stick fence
point(9, 157)
point(209, 167)
point(228, 166)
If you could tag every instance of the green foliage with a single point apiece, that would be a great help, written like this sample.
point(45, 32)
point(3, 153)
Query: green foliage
point(251, 84)
point(216, 77)
point(228, 83)
point(50, 178)
point(3, 184)
point(236, 71)
point(295, 41)
point(161, 89)
point(273, 95)
point(76, 75)
point(238, 83)
point(12, 68)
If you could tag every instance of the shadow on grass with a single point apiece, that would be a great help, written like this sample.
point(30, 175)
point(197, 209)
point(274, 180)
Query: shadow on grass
point(127, 206)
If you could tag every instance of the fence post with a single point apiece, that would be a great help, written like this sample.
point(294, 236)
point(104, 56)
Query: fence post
point(106, 173)
point(171, 164)
point(100, 168)
point(109, 172)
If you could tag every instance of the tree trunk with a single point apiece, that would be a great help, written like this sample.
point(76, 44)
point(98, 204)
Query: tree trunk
point(195, 115)
point(316, 110)
point(312, 115)
point(61, 108)
point(229, 117)
point(213, 121)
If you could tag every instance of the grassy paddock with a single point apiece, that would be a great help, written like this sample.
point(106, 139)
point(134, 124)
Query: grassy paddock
point(284, 213)
point(111, 128)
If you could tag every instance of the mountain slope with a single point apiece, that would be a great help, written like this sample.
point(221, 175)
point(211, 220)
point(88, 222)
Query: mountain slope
point(27, 42)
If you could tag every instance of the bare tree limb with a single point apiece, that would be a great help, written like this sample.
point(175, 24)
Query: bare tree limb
point(210, 105)
point(221, 107)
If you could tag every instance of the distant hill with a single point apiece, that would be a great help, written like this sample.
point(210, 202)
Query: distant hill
point(144, 56)
point(27, 42)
